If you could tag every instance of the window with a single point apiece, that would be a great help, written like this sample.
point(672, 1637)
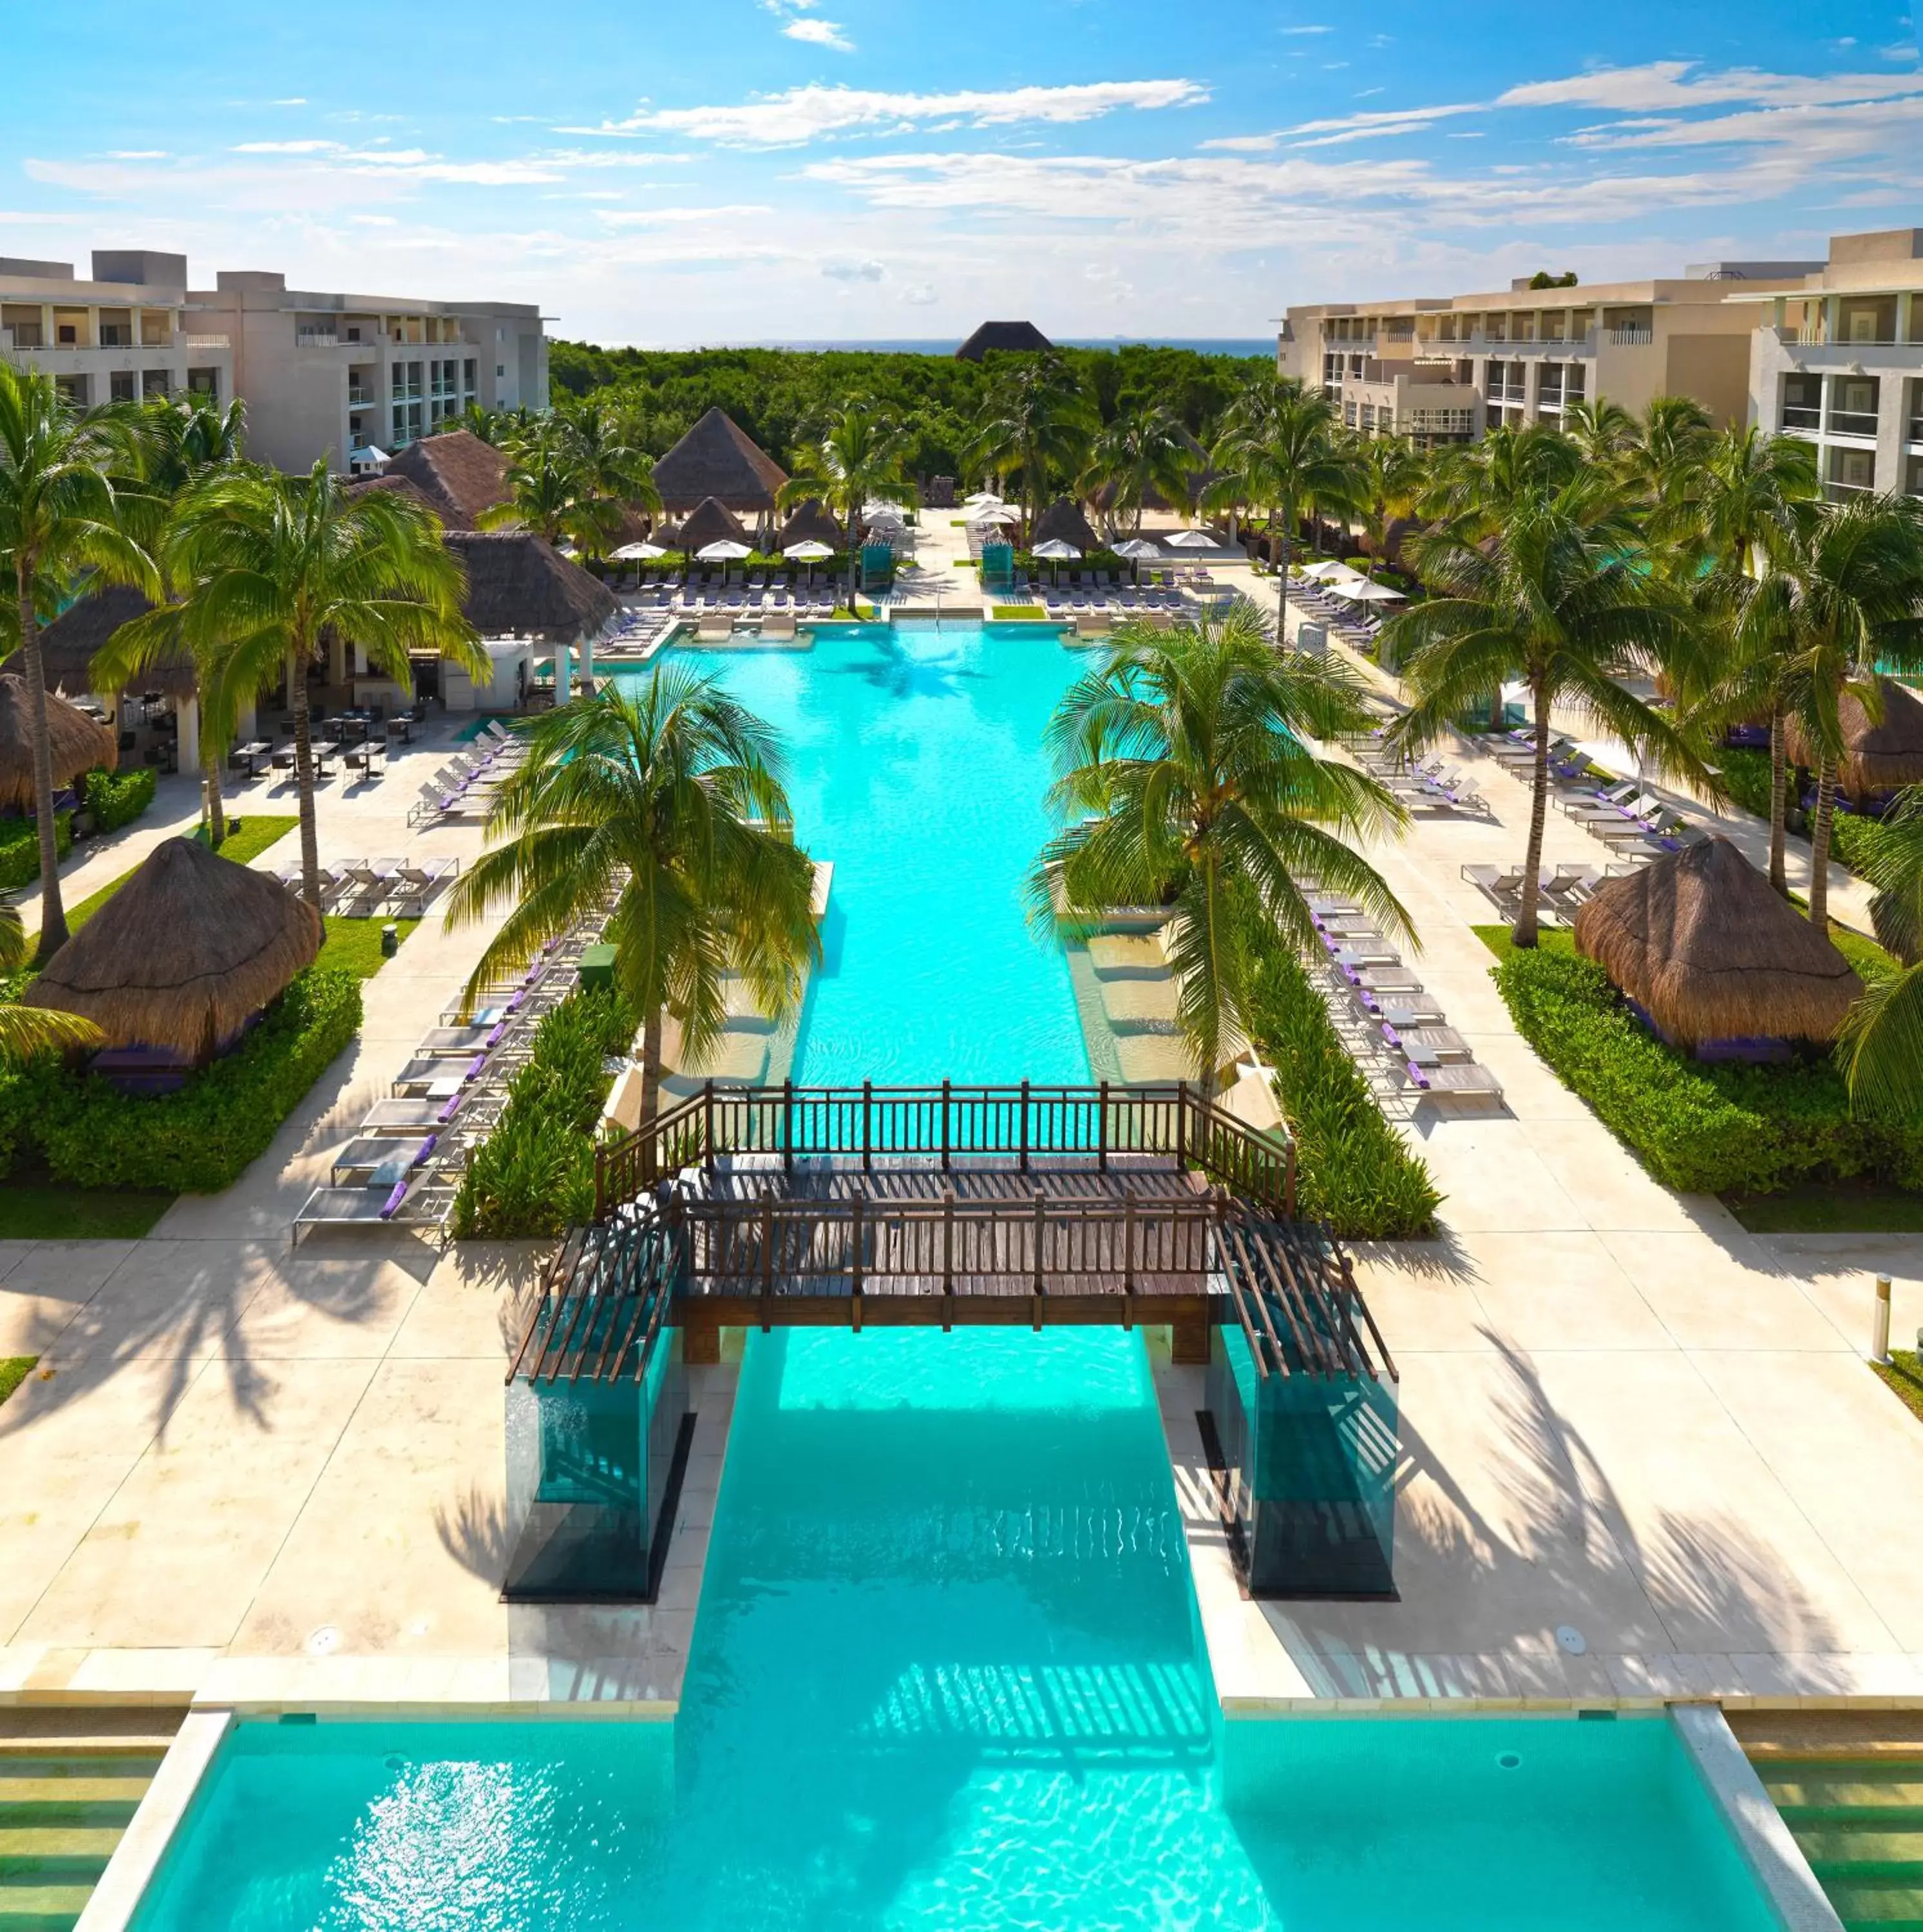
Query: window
point(120, 385)
point(1862, 324)
point(468, 369)
point(156, 382)
point(74, 389)
point(500, 369)
point(204, 383)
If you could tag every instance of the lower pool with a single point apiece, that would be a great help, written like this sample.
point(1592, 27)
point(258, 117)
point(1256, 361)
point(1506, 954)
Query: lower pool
point(947, 1672)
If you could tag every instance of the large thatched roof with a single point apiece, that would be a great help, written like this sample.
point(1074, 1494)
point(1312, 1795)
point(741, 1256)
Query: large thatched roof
point(1700, 942)
point(711, 522)
point(458, 474)
point(1877, 757)
point(811, 523)
point(79, 743)
point(190, 949)
point(1014, 338)
point(1062, 522)
point(67, 646)
point(519, 586)
point(718, 458)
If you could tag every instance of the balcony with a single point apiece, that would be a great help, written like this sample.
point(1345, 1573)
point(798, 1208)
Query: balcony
point(1798, 416)
point(360, 399)
point(1844, 492)
point(1852, 422)
point(205, 342)
point(1634, 336)
point(315, 338)
point(1916, 429)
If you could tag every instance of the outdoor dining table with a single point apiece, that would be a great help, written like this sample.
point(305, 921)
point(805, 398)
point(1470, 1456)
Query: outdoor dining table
point(402, 727)
point(254, 753)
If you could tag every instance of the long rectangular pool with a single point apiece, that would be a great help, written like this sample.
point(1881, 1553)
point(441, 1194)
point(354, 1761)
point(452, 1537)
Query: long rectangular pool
point(917, 768)
point(947, 1672)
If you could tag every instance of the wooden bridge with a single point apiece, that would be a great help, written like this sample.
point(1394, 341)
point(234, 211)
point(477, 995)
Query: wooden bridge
point(943, 1206)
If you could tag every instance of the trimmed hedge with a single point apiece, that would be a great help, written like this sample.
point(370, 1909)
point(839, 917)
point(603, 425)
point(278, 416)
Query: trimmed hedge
point(1698, 1127)
point(20, 848)
point(115, 800)
point(534, 1174)
point(1353, 1170)
point(1746, 773)
point(198, 1140)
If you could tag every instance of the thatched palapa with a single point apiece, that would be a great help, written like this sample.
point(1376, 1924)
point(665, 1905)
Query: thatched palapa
point(183, 955)
point(79, 743)
point(1878, 756)
point(69, 645)
point(1062, 522)
point(718, 458)
point(1005, 338)
point(520, 587)
point(1701, 943)
point(458, 474)
point(811, 523)
point(711, 522)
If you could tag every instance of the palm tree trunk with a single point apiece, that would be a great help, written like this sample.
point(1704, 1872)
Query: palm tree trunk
point(1525, 932)
point(1779, 799)
point(651, 1033)
point(1819, 845)
point(1282, 592)
point(853, 561)
point(210, 786)
point(53, 913)
point(303, 783)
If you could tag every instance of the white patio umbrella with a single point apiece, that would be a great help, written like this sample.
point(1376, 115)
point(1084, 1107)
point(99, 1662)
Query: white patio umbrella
point(1138, 551)
point(636, 553)
point(1368, 592)
point(999, 513)
point(983, 499)
point(1058, 553)
point(1321, 571)
point(810, 553)
point(726, 552)
point(1194, 540)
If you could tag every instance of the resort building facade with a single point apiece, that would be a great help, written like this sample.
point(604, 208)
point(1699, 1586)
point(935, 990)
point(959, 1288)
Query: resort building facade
point(342, 376)
point(1838, 359)
point(1447, 369)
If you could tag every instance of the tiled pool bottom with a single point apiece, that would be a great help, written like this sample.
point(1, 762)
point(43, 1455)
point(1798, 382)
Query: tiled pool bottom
point(947, 1672)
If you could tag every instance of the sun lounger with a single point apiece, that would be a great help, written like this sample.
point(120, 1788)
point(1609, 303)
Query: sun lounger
point(1499, 882)
point(1383, 979)
point(408, 1117)
point(1468, 1078)
point(380, 1160)
point(1405, 1009)
point(373, 1206)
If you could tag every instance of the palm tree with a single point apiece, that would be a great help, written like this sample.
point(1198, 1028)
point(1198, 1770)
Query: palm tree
point(553, 491)
point(1881, 1043)
point(1289, 459)
point(1843, 594)
point(1392, 475)
point(61, 516)
point(1187, 781)
point(861, 458)
point(603, 441)
point(1035, 425)
point(1670, 440)
point(1735, 518)
point(1144, 451)
point(27, 1032)
point(271, 567)
point(670, 802)
point(1560, 597)
point(1601, 430)
point(1473, 486)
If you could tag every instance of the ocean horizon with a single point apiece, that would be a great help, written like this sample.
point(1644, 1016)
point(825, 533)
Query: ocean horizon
point(1238, 345)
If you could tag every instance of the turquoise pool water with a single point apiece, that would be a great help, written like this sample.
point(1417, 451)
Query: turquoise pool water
point(946, 1673)
point(918, 770)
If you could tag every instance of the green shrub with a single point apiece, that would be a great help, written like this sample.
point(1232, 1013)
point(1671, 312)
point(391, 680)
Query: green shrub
point(198, 1140)
point(1352, 1168)
point(115, 800)
point(20, 848)
point(1698, 1127)
point(1746, 773)
point(534, 1173)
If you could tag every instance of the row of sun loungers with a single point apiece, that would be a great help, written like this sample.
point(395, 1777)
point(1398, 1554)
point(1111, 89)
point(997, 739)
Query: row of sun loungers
point(464, 787)
point(403, 1165)
point(1436, 1058)
point(1350, 622)
point(1430, 786)
point(377, 888)
point(1621, 813)
point(1560, 889)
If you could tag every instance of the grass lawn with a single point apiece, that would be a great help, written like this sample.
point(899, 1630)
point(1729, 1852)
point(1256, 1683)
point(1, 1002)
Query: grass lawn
point(14, 1369)
point(353, 945)
point(1548, 939)
point(47, 1211)
point(253, 836)
point(1903, 1373)
point(1844, 1207)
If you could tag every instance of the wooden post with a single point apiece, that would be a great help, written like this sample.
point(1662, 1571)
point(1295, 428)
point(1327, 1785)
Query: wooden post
point(1101, 1129)
point(867, 1125)
point(858, 1205)
point(701, 1340)
point(1182, 1126)
point(1025, 1126)
point(1041, 1228)
point(944, 1126)
point(947, 1259)
point(1288, 1182)
point(1189, 1339)
point(787, 1125)
point(708, 1129)
point(767, 1265)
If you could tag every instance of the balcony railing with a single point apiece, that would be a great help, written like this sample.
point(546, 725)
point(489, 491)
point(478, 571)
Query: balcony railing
point(1796, 416)
point(1916, 429)
point(23, 337)
point(1839, 492)
point(206, 342)
point(1852, 422)
point(1633, 336)
point(315, 338)
point(360, 399)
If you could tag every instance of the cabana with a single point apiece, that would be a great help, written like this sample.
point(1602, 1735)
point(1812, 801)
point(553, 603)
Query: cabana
point(717, 458)
point(520, 590)
point(1878, 756)
point(78, 742)
point(1062, 522)
point(1720, 965)
point(178, 961)
point(810, 523)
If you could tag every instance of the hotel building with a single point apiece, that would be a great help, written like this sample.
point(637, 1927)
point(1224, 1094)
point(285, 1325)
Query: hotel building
point(348, 377)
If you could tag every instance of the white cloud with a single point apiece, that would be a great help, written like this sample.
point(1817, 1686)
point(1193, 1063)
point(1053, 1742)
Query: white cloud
point(282, 148)
point(819, 33)
point(1308, 30)
point(645, 218)
point(1661, 85)
point(920, 296)
point(804, 114)
point(869, 270)
point(137, 154)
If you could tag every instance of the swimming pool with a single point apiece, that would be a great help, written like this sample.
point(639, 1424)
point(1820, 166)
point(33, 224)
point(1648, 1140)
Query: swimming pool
point(947, 1672)
point(918, 771)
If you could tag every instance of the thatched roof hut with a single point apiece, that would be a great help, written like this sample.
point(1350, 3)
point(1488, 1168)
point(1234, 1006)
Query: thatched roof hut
point(718, 458)
point(1699, 940)
point(811, 523)
point(69, 645)
point(183, 955)
point(1877, 756)
point(519, 586)
point(79, 743)
point(1062, 522)
point(458, 474)
point(711, 522)
point(1007, 338)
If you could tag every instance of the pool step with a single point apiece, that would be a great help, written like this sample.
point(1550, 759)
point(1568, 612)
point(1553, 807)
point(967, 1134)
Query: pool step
point(70, 1784)
point(1859, 1822)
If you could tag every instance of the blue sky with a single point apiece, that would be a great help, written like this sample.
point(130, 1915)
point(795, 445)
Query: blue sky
point(744, 170)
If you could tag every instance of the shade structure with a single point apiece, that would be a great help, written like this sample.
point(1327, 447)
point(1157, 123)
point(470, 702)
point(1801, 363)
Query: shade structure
point(1137, 550)
point(78, 742)
point(999, 514)
point(807, 553)
point(726, 551)
point(1878, 755)
point(636, 553)
point(519, 586)
point(983, 499)
point(183, 955)
point(1361, 591)
point(460, 476)
point(1193, 540)
point(718, 458)
point(1701, 943)
point(70, 644)
point(1326, 570)
point(1056, 551)
point(812, 523)
point(712, 522)
point(1063, 520)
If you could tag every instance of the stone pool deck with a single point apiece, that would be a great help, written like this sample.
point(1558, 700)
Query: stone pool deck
point(243, 1473)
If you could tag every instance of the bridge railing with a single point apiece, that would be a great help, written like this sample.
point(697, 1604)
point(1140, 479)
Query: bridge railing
point(1026, 1123)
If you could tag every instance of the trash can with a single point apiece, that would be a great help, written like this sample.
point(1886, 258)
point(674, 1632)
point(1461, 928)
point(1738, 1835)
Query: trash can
point(390, 940)
point(597, 968)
